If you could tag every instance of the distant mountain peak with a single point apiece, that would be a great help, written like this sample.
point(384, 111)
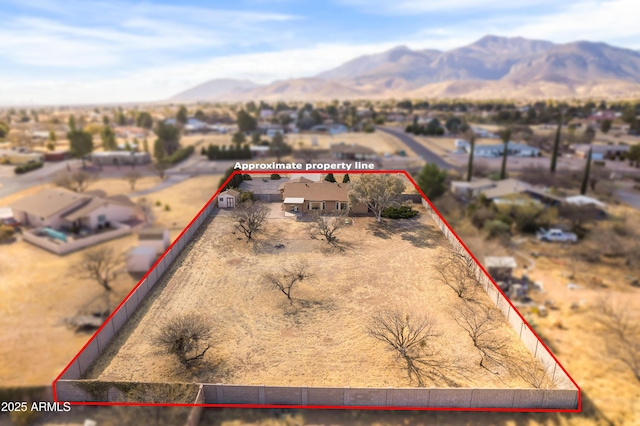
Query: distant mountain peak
point(494, 63)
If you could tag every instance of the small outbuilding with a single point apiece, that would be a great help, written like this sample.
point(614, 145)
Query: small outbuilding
point(500, 267)
point(228, 199)
point(140, 259)
point(155, 237)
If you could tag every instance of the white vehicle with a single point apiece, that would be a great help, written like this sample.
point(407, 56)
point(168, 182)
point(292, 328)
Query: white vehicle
point(556, 235)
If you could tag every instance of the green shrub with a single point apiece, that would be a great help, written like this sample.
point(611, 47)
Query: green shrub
point(158, 203)
point(246, 196)
point(275, 176)
point(167, 208)
point(24, 168)
point(401, 212)
point(247, 177)
point(180, 155)
point(496, 228)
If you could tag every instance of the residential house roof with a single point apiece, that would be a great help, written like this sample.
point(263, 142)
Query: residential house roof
point(231, 192)
point(584, 200)
point(84, 209)
point(500, 262)
point(317, 191)
point(300, 179)
point(506, 187)
point(152, 233)
point(50, 201)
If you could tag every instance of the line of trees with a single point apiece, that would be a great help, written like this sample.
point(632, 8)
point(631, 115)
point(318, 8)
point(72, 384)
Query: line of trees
point(227, 152)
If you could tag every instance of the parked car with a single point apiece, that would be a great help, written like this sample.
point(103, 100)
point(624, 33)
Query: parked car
point(556, 235)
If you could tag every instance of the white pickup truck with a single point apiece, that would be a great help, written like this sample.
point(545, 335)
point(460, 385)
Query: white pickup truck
point(556, 235)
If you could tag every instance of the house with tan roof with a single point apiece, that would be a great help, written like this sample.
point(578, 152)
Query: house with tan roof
point(319, 197)
point(59, 208)
point(62, 221)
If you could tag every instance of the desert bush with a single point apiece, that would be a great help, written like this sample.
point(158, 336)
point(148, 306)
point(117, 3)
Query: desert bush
point(185, 336)
point(496, 228)
point(275, 176)
point(246, 177)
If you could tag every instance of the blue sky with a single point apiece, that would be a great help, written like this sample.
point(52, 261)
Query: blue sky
point(73, 51)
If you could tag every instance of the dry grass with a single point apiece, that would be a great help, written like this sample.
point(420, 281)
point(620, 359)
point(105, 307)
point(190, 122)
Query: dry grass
point(39, 290)
point(319, 339)
point(378, 141)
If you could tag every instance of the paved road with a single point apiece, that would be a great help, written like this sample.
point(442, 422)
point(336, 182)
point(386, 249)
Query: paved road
point(11, 183)
point(629, 197)
point(426, 154)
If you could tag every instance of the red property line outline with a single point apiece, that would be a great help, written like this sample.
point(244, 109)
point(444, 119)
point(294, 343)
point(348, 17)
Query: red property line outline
point(340, 407)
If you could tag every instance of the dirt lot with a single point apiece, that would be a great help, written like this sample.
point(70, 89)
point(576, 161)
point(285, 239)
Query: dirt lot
point(319, 339)
point(610, 392)
point(39, 289)
point(380, 142)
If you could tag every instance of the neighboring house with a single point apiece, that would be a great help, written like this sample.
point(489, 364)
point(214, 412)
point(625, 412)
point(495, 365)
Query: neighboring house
point(503, 191)
point(332, 129)
point(130, 132)
point(266, 113)
point(513, 149)
point(319, 197)
point(599, 152)
point(57, 155)
point(353, 151)
point(111, 158)
point(228, 199)
point(461, 144)
point(483, 133)
point(155, 237)
point(18, 157)
point(583, 200)
point(61, 209)
point(194, 125)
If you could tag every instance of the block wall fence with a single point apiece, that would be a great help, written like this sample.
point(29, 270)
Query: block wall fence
point(70, 386)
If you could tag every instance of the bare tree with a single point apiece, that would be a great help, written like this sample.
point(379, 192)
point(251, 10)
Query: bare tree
point(77, 181)
point(411, 338)
point(100, 265)
point(457, 270)
point(186, 337)
point(327, 227)
point(286, 280)
point(481, 322)
point(532, 372)
point(378, 191)
point(132, 178)
point(160, 168)
point(146, 208)
point(621, 333)
point(250, 217)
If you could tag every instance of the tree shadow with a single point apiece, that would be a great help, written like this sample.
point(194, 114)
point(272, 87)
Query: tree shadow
point(380, 230)
point(424, 237)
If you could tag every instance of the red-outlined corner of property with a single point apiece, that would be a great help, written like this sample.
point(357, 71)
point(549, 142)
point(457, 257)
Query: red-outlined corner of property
point(351, 407)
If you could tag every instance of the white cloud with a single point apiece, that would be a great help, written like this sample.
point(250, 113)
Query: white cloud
point(409, 7)
point(614, 22)
point(93, 35)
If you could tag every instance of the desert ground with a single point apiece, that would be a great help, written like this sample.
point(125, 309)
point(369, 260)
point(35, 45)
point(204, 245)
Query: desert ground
point(40, 289)
point(319, 338)
point(380, 142)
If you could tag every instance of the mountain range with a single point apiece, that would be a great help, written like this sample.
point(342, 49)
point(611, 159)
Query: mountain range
point(492, 67)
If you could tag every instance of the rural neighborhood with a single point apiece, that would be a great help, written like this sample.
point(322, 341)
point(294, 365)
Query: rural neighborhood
point(456, 244)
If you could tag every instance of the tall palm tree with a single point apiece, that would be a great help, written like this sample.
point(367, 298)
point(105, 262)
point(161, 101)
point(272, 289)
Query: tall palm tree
point(556, 145)
point(505, 135)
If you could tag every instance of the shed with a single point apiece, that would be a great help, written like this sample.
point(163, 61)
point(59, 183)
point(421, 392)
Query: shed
point(500, 267)
point(155, 237)
point(140, 259)
point(228, 199)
